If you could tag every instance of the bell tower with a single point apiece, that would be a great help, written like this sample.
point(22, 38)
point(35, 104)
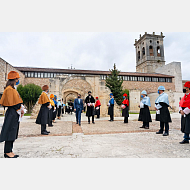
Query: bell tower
point(149, 52)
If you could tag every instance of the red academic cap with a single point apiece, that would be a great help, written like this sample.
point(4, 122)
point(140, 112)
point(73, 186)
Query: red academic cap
point(187, 84)
point(125, 95)
point(96, 97)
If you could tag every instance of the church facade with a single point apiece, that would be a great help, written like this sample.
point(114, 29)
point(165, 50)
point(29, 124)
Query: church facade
point(151, 72)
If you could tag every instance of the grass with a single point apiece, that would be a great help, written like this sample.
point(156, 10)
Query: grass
point(27, 114)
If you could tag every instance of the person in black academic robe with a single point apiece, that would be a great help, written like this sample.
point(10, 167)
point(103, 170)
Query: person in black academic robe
point(97, 108)
point(144, 114)
point(125, 107)
point(184, 110)
point(71, 107)
point(90, 102)
point(111, 108)
point(43, 115)
point(12, 100)
point(162, 111)
point(51, 118)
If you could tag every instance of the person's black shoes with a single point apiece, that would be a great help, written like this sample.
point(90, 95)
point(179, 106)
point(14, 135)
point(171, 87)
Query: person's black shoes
point(166, 134)
point(184, 142)
point(93, 122)
point(6, 156)
point(159, 132)
point(79, 124)
point(50, 125)
point(45, 133)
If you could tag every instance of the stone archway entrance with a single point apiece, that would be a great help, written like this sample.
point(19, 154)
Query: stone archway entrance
point(69, 95)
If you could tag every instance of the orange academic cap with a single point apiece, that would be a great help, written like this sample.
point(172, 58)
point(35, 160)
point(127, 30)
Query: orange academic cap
point(13, 75)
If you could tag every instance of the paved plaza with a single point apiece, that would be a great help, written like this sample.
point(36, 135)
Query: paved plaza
point(101, 140)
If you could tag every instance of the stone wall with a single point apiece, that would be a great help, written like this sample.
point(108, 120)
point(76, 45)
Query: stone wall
point(150, 87)
point(37, 81)
point(5, 69)
point(173, 69)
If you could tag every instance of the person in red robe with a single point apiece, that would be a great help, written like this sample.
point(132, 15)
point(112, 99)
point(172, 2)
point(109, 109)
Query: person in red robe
point(125, 107)
point(97, 108)
point(184, 110)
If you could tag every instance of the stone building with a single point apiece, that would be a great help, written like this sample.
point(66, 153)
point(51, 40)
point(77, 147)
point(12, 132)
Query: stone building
point(151, 72)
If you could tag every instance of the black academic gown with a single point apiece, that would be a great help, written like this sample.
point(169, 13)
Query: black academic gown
point(185, 123)
point(145, 114)
point(10, 127)
point(97, 112)
point(164, 115)
point(50, 117)
point(125, 112)
point(53, 114)
point(43, 116)
point(90, 109)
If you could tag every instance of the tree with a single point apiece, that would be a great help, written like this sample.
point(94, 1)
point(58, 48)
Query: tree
point(114, 83)
point(29, 94)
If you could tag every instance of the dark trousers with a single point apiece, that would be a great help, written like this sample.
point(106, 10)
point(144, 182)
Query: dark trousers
point(126, 120)
point(111, 117)
point(8, 148)
point(98, 116)
point(186, 137)
point(78, 116)
point(92, 119)
point(50, 123)
point(43, 128)
point(162, 127)
point(145, 124)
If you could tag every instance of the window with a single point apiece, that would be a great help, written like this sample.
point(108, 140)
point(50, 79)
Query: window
point(148, 79)
point(139, 55)
point(151, 51)
point(158, 51)
point(150, 41)
point(45, 75)
point(103, 77)
point(26, 74)
point(51, 75)
point(143, 51)
point(29, 74)
point(36, 75)
point(42, 75)
point(162, 80)
point(158, 42)
point(140, 78)
point(32, 75)
point(39, 75)
point(154, 79)
point(168, 79)
point(126, 78)
point(55, 74)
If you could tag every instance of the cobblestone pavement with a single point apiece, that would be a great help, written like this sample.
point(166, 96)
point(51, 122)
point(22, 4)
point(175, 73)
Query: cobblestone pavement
point(102, 140)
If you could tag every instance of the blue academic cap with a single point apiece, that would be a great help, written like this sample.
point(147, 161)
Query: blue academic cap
point(144, 92)
point(111, 94)
point(161, 88)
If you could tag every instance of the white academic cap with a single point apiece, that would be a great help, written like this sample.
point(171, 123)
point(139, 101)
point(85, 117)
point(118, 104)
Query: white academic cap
point(144, 92)
point(161, 88)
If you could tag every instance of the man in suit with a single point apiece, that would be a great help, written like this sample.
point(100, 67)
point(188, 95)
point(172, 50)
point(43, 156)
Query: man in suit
point(78, 108)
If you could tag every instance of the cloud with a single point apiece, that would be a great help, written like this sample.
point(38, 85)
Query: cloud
point(86, 50)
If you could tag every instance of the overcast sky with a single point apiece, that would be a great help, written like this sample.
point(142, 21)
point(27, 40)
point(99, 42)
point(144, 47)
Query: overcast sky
point(90, 50)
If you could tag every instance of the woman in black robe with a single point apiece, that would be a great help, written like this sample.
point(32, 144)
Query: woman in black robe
point(144, 114)
point(12, 100)
point(43, 115)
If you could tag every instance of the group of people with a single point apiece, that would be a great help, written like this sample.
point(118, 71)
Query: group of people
point(50, 108)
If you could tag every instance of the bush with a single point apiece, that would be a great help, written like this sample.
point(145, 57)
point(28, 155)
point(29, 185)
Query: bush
point(29, 94)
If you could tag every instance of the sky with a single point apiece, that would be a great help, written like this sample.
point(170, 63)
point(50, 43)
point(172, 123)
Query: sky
point(87, 50)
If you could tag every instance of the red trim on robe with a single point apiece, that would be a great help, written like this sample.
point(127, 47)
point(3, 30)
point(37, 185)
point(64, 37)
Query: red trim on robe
point(185, 101)
point(126, 102)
